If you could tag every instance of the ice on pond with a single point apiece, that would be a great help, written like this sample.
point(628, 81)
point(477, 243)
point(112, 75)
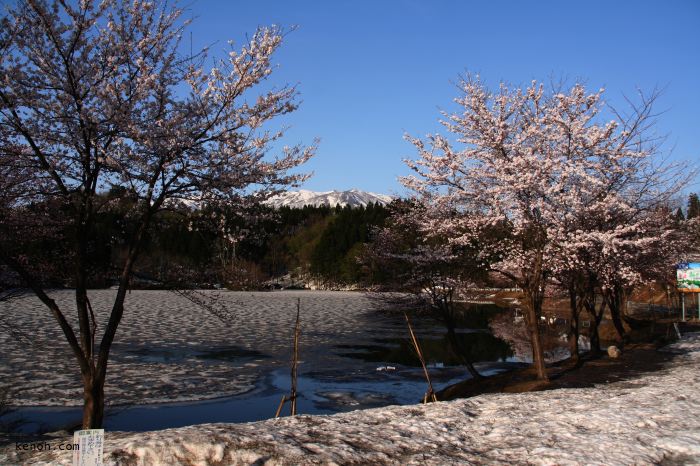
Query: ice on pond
point(173, 364)
point(169, 350)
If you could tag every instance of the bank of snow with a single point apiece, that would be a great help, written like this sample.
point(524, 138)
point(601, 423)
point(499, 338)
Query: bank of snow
point(650, 420)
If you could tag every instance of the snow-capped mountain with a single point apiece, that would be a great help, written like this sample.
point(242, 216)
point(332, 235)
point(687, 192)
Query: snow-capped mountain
point(353, 197)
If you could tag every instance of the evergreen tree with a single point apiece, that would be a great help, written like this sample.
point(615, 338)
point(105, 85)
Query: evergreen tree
point(693, 206)
point(679, 215)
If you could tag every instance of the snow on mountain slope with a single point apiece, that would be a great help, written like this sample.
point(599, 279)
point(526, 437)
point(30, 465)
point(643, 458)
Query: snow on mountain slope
point(353, 197)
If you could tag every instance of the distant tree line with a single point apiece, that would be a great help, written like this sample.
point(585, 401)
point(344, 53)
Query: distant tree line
point(213, 245)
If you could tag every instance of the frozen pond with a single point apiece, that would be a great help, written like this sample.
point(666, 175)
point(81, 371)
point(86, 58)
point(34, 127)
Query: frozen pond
point(175, 364)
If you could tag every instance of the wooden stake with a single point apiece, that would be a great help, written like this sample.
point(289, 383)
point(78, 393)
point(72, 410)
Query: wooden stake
point(430, 394)
point(279, 408)
point(295, 361)
point(292, 398)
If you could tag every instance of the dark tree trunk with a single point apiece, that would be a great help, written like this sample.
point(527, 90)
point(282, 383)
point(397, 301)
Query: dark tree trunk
point(595, 340)
point(534, 287)
point(597, 317)
point(537, 347)
point(94, 379)
point(573, 325)
point(615, 298)
point(534, 310)
point(93, 401)
point(619, 327)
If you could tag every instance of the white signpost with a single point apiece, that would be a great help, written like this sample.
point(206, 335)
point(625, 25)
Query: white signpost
point(90, 447)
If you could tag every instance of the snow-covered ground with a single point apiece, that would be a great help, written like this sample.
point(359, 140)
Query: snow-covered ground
point(654, 419)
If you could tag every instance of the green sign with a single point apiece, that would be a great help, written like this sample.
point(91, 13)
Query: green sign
point(688, 277)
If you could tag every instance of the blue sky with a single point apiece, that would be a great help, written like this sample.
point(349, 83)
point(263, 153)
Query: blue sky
point(369, 71)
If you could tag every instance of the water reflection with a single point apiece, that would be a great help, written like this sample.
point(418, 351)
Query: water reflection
point(478, 346)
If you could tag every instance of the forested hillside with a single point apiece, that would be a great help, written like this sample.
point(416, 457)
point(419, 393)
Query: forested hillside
point(207, 247)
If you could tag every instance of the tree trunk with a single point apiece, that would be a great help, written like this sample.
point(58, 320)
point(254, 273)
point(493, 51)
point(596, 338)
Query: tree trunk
point(533, 286)
point(534, 310)
point(597, 317)
point(617, 321)
point(573, 326)
point(615, 298)
point(93, 401)
point(536, 342)
point(595, 339)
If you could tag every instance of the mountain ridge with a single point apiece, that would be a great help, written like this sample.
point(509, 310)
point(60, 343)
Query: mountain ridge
point(352, 197)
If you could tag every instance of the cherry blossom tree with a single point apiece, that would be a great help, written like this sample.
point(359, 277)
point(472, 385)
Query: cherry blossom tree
point(96, 95)
point(534, 162)
point(622, 233)
point(602, 262)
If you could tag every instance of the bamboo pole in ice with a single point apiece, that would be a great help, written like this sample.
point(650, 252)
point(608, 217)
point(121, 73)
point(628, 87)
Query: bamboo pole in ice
point(430, 394)
point(292, 397)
